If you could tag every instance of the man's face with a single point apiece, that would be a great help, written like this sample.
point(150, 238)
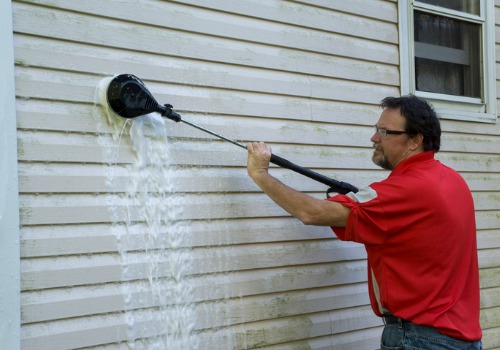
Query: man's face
point(391, 149)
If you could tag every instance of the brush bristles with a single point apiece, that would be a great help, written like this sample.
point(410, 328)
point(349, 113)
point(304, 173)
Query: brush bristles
point(101, 97)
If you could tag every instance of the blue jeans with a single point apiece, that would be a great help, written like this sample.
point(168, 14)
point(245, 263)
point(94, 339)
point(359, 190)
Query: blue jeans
point(405, 335)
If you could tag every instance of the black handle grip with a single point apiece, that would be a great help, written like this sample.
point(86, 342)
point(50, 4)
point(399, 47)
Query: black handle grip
point(335, 186)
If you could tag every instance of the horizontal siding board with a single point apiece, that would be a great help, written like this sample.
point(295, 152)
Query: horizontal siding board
point(58, 214)
point(96, 210)
point(71, 153)
point(95, 178)
point(487, 200)
point(59, 85)
point(48, 246)
point(490, 317)
point(109, 329)
point(286, 330)
point(264, 307)
point(80, 332)
point(303, 16)
point(488, 239)
point(40, 241)
point(489, 278)
point(58, 304)
point(487, 219)
point(353, 340)
point(491, 338)
point(102, 270)
point(59, 116)
point(227, 285)
point(480, 129)
point(60, 209)
point(41, 148)
point(215, 49)
point(470, 143)
point(78, 118)
point(71, 271)
point(211, 101)
point(286, 131)
point(380, 9)
point(490, 297)
point(83, 149)
point(87, 239)
point(314, 108)
point(51, 183)
point(471, 162)
point(482, 181)
point(110, 61)
point(86, 301)
point(206, 180)
point(489, 258)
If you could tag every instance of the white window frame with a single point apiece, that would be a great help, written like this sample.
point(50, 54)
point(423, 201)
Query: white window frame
point(448, 106)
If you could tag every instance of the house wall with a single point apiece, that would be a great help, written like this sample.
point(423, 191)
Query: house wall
point(304, 76)
point(10, 301)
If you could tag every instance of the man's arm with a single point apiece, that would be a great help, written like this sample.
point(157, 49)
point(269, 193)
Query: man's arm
point(309, 210)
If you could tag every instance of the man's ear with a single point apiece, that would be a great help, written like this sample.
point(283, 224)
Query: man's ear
point(418, 141)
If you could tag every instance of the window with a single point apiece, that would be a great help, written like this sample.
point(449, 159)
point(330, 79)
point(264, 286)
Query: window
point(448, 56)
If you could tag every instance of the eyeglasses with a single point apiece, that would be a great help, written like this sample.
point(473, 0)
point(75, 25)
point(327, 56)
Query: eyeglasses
point(385, 132)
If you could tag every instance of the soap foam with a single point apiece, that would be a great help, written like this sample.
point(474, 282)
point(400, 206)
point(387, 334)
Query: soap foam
point(161, 256)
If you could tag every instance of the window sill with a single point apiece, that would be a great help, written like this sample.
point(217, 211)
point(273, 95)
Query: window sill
point(459, 108)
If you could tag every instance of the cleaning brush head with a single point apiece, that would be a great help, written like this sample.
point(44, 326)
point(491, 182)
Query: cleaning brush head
point(128, 97)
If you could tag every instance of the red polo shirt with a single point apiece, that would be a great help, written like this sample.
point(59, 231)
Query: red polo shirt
point(419, 231)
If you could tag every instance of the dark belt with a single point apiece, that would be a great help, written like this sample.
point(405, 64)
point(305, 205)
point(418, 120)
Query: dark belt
point(390, 319)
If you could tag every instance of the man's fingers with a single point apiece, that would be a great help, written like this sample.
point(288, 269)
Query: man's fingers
point(258, 147)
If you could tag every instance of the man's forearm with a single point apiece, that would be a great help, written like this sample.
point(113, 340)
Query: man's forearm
point(309, 210)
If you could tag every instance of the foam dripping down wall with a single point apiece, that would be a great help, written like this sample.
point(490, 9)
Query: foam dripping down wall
point(155, 254)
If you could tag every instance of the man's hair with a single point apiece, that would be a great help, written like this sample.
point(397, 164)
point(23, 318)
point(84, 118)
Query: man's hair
point(421, 118)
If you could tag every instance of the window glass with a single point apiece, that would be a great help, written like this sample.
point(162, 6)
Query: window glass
point(447, 55)
point(469, 6)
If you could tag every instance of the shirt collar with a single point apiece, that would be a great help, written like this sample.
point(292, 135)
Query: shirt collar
point(410, 162)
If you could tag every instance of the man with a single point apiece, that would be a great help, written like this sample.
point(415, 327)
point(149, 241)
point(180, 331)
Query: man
point(418, 228)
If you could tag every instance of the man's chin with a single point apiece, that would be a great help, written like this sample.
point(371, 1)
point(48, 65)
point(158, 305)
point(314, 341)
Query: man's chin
point(381, 161)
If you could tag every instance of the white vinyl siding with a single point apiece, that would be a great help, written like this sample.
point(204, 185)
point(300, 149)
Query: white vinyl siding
point(305, 76)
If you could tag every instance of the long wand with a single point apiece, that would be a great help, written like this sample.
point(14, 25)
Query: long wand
point(128, 97)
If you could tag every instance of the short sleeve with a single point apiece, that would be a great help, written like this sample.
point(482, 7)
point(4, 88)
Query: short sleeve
point(366, 223)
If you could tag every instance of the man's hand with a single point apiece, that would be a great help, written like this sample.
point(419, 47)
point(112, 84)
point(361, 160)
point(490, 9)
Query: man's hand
point(259, 155)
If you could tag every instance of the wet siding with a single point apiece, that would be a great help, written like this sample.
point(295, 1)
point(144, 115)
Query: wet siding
point(305, 76)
